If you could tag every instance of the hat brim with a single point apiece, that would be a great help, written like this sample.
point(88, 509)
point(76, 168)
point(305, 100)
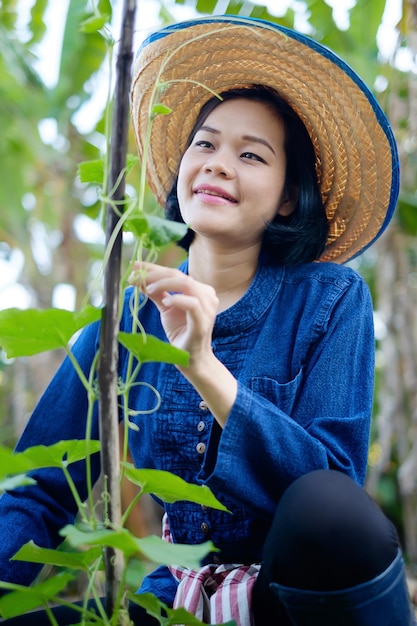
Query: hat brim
point(357, 162)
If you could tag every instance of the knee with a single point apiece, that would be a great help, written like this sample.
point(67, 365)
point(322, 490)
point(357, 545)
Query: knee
point(326, 504)
point(326, 521)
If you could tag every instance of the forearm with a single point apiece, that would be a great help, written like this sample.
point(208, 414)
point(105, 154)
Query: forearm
point(215, 384)
point(268, 449)
point(188, 310)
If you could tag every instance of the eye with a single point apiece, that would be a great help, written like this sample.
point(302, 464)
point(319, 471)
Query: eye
point(251, 156)
point(203, 143)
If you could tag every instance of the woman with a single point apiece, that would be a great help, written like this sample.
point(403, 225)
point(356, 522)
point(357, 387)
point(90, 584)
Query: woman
point(277, 183)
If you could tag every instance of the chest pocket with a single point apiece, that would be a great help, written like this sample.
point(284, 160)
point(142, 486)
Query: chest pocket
point(282, 395)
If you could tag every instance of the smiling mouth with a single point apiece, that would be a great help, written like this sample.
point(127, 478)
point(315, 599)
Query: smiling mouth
point(210, 192)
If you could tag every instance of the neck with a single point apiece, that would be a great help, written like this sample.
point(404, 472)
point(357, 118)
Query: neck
point(229, 272)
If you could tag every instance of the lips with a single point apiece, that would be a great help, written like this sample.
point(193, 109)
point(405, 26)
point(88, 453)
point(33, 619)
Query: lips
point(214, 191)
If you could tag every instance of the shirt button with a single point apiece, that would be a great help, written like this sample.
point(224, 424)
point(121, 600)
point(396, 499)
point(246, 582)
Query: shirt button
point(201, 448)
point(205, 528)
point(204, 507)
point(203, 405)
point(201, 426)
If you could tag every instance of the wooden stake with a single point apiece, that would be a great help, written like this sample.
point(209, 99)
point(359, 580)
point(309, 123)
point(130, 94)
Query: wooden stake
point(108, 360)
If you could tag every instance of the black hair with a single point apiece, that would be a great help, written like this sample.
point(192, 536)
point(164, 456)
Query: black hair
point(287, 240)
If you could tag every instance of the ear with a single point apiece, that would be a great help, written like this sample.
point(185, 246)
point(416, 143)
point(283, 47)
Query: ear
point(285, 208)
point(288, 200)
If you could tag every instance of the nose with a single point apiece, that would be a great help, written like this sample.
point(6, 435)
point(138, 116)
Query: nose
point(219, 164)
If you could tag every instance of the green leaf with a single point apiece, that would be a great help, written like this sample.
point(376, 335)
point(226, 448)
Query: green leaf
point(160, 231)
point(185, 618)
point(161, 109)
point(104, 6)
point(165, 16)
point(30, 331)
point(357, 45)
point(68, 451)
point(138, 225)
point(91, 171)
point(159, 551)
point(8, 14)
point(121, 539)
point(20, 480)
point(164, 232)
point(151, 349)
point(171, 488)
point(321, 18)
point(83, 51)
point(37, 23)
point(12, 463)
point(149, 602)
point(365, 20)
point(156, 609)
point(95, 23)
point(206, 6)
point(72, 450)
point(131, 161)
point(135, 571)
point(244, 8)
point(152, 547)
point(32, 553)
point(21, 600)
point(407, 212)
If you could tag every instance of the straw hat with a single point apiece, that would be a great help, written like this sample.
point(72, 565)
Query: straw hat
point(357, 161)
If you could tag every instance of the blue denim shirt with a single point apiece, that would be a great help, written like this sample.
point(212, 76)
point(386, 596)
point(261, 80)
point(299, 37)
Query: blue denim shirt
point(300, 343)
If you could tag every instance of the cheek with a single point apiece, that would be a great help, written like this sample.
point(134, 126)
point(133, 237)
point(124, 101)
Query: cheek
point(271, 198)
point(187, 171)
point(181, 185)
point(183, 189)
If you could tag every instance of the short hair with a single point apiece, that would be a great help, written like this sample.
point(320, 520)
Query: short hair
point(287, 240)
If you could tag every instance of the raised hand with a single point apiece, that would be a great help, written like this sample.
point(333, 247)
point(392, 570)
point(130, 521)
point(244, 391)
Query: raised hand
point(188, 311)
point(188, 308)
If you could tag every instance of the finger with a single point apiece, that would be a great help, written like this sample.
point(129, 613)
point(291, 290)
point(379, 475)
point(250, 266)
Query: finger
point(153, 273)
point(172, 284)
point(199, 318)
point(158, 281)
point(184, 303)
point(154, 270)
point(193, 323)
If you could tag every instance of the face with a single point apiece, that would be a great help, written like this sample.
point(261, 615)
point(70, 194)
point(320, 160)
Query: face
point(231, 178)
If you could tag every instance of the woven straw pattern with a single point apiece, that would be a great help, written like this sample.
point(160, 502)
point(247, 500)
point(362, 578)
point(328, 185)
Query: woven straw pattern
point(354, 160)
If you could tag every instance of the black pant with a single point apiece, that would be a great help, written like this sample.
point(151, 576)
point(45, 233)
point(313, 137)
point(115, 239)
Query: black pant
point(327, 534)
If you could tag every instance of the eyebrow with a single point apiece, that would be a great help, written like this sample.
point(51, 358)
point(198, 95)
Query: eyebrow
point(245, 137)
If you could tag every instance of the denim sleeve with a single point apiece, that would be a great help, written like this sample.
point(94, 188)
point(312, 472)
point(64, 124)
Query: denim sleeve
point(161, 583)
point(321, 419)
point(38, 512)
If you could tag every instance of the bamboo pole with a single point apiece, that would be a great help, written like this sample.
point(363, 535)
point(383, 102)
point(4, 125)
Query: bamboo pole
point(108, 360)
